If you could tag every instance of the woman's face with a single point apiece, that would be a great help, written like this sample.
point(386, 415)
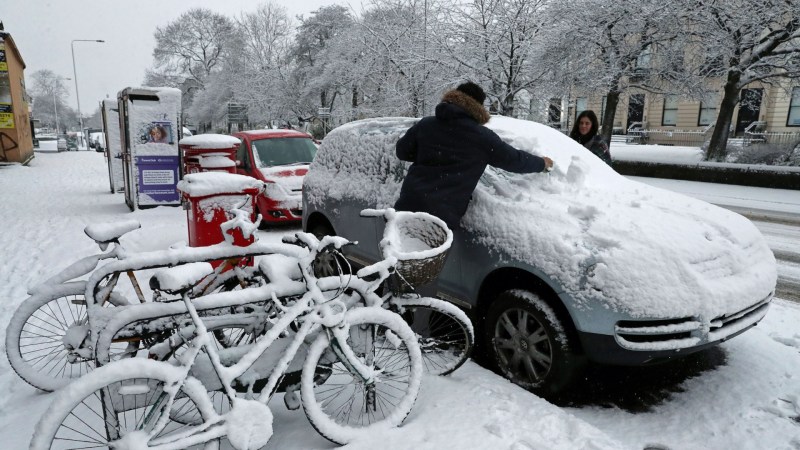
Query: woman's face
point(584, 126)
point(155, 133)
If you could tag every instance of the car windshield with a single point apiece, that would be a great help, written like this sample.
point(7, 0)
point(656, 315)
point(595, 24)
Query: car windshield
point(283, 151)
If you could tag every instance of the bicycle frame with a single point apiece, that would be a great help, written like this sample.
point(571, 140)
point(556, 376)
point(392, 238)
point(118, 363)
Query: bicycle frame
point(316, 313)
point(101, 319)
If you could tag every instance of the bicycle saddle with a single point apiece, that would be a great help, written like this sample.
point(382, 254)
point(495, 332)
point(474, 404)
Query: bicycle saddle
point(104, 233)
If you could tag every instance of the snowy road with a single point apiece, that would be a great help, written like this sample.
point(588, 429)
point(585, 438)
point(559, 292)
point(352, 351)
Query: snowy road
point(743, 394)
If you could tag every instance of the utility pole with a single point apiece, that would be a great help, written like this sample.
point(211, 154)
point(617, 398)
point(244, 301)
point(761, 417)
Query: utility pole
point(75, 74)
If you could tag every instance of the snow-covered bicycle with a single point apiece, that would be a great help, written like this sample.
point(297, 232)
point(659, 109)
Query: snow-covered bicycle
point(50, 338)
point(416, 240)
point(360, 373)
point(414, 246)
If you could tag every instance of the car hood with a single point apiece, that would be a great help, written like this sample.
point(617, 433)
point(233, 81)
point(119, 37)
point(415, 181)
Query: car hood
point(620, 244)
point(289, 180)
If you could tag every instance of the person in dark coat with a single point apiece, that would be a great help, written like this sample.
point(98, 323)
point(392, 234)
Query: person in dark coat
point(585, 133)
point(449, 152)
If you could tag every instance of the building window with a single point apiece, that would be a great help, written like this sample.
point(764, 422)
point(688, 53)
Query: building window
point(580, 106)
point(670, 116)
point(554, 112)
point(643, 60)
point(793, 120)
point(708, 112)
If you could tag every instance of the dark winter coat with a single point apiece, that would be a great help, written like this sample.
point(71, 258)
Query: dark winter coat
point(449, 152)
point(599, 147)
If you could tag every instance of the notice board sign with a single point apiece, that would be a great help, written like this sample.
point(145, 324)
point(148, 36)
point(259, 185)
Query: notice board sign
point(158, 179)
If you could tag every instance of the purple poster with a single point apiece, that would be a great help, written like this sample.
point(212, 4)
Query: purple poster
point(158, 178)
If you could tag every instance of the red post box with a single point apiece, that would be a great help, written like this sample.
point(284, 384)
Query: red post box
point(209, 153)
point(210, 198)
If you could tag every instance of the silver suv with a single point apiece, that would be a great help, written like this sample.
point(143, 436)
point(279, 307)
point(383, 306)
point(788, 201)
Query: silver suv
point(557, 269)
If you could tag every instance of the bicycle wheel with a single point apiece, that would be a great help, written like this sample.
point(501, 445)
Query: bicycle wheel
point(44, 336)
point(444, 332)
point(339, 405)
point(116, 400)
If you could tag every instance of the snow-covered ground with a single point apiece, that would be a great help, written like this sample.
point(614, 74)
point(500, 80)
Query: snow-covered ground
point(743, 395)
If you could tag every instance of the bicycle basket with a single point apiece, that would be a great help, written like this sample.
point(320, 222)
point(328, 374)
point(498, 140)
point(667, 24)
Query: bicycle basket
point(420, 243)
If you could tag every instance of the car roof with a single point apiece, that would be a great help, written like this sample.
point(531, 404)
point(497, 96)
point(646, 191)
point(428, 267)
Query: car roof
point(267, 134)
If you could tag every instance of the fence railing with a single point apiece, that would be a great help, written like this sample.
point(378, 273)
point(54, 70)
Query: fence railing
point(779, 141)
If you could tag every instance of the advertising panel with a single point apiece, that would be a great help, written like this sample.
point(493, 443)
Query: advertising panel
point(6, 111)
point(150, 151)
point(158, 176)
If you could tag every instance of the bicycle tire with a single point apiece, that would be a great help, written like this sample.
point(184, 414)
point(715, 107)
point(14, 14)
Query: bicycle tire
point(35, 335)
point(445, 333)
point(113, 400)
point(342, 418)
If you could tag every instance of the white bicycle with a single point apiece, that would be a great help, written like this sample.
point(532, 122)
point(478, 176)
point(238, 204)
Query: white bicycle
point(49, 340)
point(361, 373)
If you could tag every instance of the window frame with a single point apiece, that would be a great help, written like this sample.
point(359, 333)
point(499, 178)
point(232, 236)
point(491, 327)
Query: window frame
point(664, 110)
point(700, 113)
point(554, 105)
point(794, 106)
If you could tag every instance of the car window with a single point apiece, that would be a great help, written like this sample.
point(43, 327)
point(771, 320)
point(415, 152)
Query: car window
point(241, 155)
point(283, 151)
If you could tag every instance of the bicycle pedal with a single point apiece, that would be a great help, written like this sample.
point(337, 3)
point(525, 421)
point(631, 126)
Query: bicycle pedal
point(291, 399)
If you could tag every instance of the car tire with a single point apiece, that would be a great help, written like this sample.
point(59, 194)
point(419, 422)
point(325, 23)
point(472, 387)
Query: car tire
point(527, 343)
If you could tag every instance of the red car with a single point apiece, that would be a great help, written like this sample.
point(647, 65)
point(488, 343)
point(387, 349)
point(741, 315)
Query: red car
point(280, 158)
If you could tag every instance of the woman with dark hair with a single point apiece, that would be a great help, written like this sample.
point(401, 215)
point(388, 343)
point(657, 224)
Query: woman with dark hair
point(585, 133)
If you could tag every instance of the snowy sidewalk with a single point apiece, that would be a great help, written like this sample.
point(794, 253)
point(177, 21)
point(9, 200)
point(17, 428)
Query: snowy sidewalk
point(745, 394)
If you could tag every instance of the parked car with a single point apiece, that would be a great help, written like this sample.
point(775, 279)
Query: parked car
point(97, 141)
point(557, 269)
point(280, 158)
point(50, 143)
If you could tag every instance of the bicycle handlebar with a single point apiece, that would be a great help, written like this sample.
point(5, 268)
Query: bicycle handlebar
point(375, 212)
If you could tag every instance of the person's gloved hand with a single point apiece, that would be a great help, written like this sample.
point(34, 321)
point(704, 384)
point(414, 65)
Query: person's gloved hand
point(548, 164)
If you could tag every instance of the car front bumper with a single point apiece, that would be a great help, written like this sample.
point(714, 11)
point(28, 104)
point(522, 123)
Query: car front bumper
point(652, 341)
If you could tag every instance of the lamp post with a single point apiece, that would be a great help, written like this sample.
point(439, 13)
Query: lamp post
point(75, 74)
point(55, 105)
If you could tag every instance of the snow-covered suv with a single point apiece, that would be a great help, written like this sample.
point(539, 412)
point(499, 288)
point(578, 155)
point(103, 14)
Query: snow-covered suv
point(556, 268)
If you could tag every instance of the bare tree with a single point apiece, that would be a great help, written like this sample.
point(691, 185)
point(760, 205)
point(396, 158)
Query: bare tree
point(399, 42)
point(740, 42)
point(209, 105)
point(192, 46)
point(496, 43)
point(260, 66)
point(612, 47)
point(313, 57)
point(49, 92)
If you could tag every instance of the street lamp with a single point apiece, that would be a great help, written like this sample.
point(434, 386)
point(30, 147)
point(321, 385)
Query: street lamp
point(75, 74)
point(55, 105)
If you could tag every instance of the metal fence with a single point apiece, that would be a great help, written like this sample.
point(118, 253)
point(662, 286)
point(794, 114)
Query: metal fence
point(779, 141)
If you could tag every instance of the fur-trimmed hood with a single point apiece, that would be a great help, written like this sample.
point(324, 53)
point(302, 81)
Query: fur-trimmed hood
point(467, 103)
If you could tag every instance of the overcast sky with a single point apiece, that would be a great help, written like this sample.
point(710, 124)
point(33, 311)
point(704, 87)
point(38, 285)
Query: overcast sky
point(43, 31)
